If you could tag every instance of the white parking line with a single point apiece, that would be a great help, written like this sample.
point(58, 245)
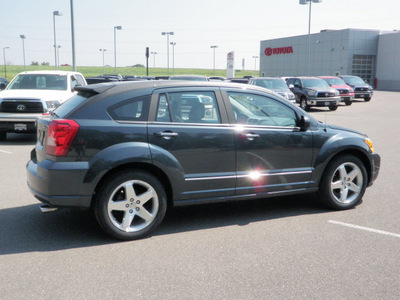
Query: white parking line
point(364, 228)
point(2, 151)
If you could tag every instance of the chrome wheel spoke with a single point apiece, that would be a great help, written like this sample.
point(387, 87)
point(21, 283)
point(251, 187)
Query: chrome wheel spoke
point(336, 185)
point(146, 196)
point(130, 191)
point(353, 174)
point(354, 188)
point(342, 172)
point(118, 205)
point(145, 215)
point(343, 195)
point(127, 220)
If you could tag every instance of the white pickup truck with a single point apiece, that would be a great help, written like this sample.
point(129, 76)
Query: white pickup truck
point(31, 94)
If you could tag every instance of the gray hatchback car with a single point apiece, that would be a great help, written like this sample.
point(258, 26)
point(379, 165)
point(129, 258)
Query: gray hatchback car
point(130, 150)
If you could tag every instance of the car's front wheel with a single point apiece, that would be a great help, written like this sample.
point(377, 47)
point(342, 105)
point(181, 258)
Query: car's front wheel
point(367, 98)
point(130, 205)
point(303, 104)
point(348, 102)
point(333, 107)
point(343, 183)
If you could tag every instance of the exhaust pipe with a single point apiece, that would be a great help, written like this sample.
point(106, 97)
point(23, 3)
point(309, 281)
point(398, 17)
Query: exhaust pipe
point(44, 208)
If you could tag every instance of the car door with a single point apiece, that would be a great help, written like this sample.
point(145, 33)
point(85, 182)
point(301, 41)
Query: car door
point(272, 154)
point(190, 124)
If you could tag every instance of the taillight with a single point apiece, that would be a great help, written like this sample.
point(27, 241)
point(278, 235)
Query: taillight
point(60, 136)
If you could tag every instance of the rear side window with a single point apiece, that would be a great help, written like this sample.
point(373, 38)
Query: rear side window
point(70, 105)
point(136, 109)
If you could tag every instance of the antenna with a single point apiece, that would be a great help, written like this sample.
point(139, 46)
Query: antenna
point(325, 121)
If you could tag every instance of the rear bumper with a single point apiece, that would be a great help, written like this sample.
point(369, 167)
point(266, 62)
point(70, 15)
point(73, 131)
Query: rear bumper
point(54, 183)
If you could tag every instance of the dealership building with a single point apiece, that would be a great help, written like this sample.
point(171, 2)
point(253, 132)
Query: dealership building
point(371, 54)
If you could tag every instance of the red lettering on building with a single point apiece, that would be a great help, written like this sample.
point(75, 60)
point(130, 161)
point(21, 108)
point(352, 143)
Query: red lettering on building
point(282, 50)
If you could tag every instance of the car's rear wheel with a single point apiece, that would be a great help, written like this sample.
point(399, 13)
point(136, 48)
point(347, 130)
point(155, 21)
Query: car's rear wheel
point(303, 104)
point(3, 135)
point(130, 205)
point(343, 183)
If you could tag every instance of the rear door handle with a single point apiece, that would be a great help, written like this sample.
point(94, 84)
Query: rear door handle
point(166, 134)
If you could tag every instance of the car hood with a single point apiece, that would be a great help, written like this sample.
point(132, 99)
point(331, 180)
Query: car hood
point(340, 86)
point(322, 89)
point(45, 95)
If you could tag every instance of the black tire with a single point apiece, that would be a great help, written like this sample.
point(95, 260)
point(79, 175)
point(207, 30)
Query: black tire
point(366, 99)
point(131, 205)
point(348, 102)
point(333, 107)
point(343, 183)
point(303, 104)
point(3, 135)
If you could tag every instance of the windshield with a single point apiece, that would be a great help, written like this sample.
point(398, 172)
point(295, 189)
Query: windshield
point(39, 82)
point(310, 83)
point(354, 80)
point(272, 84)
point(335, 81)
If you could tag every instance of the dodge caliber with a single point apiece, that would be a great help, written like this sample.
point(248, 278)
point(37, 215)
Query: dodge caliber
point(131, 150)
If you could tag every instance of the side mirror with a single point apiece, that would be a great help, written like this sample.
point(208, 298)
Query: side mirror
point(304, 123)
point(291, 86)
point(2, 86)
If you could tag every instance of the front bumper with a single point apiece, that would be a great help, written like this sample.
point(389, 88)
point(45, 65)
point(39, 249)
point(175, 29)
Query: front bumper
point(363, 94)
point(319, 101)
point(375, 167)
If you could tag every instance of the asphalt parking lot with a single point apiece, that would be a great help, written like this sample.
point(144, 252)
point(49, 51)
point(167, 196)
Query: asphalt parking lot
point(282, 248)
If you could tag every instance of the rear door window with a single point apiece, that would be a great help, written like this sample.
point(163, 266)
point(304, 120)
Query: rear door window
point(188, 107)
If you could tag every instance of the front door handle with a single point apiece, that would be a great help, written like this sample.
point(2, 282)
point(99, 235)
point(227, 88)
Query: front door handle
point(250, 136)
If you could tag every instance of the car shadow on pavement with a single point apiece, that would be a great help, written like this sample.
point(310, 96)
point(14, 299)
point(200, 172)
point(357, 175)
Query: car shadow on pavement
point(19, 139)
point(25, 229)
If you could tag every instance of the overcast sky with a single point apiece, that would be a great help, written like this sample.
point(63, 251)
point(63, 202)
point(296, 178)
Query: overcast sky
point(232, 25)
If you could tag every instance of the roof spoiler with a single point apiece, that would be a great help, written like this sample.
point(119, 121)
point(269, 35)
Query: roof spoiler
point(93, 89)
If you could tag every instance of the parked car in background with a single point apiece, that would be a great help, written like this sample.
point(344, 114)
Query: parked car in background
point(313, 91)
point(275, 84)
point(3, 83)
point(216, 78)
point(238, 80)
point(189, 77)
point(130, 150)
point(33, 93)
point(346, 91)
point(361, 88)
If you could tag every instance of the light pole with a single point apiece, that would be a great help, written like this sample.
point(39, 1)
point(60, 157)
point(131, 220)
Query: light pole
point(214, 47)
point(55, 13)
point(255, 62)
point(173, 57)
point(167, 34)
point(115, 46)
point(5, 64)
point(58, 55)
point(23, 37)
point(303, 2)
point(154, 62)
point(103, 50)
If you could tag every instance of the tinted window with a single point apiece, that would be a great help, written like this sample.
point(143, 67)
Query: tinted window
point(261, 110)
point(136, 109)
point(188, 107)
point(69, 105)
